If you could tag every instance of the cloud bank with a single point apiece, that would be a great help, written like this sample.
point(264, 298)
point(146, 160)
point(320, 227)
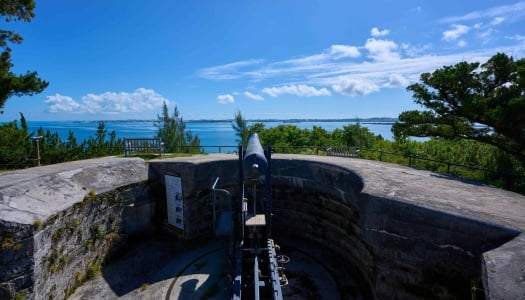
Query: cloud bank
point(253, 96)
point(140, 100)
point(380, 62)
point(297, 90)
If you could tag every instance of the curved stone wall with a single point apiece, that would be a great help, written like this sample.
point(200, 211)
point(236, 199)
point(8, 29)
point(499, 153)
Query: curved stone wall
point(313, 202)
point(408, 234)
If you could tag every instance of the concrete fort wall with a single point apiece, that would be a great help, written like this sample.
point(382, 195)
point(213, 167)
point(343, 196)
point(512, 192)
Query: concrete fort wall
point(406, 250)
point(403, 233)
point(59, 223)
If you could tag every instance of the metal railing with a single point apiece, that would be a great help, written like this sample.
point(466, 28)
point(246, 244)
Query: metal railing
point(507, 180)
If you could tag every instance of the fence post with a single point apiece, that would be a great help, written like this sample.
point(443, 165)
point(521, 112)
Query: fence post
point(448, 167)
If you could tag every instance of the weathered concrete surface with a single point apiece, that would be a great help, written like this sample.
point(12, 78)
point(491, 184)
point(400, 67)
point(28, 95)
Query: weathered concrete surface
point(58, 221)
point(504, 270)
point(428, 229)
point(38, 193)
point(431, 190)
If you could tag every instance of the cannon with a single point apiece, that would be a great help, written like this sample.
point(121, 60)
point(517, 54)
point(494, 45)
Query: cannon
point(257, 274)
point(254, 162)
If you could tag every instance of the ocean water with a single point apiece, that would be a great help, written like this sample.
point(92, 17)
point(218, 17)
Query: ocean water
point(212, 134)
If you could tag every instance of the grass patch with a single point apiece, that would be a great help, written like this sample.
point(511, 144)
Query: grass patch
point(90, 197)
point(20, 295)
point(37, 225)
point(56, 261)
point(57, 235)
point(93, 270)
point(9, 242)
point(98, 231)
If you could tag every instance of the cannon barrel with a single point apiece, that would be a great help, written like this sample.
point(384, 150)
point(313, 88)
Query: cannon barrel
point(254, 162)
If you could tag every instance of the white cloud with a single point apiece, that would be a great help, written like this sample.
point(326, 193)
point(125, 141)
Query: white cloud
point(497, 21)
point(397, 80)
point(59, 103)
point(414, 51)
point(108, 103)
point(355, 87)
point(517, 37)
point(253, 96)
point(382, 50)
point(375, 32)
point(340, 51)
point(455, 32)
point(298, 90)
point(227, 71)
point(461, 43)
point(225, 99)
point(512, 12)
point(334, 52)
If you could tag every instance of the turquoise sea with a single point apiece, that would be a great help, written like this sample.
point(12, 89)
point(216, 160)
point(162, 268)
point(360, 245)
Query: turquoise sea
point(211, 133)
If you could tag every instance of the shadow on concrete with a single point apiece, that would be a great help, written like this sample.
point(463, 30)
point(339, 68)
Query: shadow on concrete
point(142, 263)
point(188, 289)
point(451, 177)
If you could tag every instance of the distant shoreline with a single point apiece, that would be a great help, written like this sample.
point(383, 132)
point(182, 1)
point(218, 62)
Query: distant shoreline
point(375, 120)
point(214, 132)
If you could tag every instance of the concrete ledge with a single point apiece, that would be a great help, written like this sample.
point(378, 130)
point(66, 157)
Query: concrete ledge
point(504, 270)
point(38, 193)
point(431, 190)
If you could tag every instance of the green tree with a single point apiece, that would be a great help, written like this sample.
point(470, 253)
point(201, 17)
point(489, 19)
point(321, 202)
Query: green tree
point(285, 138)
point(11, 84)
point(482, 102)
point(357, 135)
point(172, 132)
point(15, 144)
point(74, 151)
point(319, 137)
point(240, 126)
point(99, 145)
point(256, 127)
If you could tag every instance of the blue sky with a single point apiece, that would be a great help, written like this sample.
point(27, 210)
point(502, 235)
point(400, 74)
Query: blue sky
point(269, 59)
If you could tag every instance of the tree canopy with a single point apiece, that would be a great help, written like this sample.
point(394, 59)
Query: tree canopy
point(10, 83)
point(482, 102)
point(172, 131)
point(240, 126)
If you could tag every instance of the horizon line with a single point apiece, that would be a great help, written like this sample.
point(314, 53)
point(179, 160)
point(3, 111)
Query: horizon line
point(390, 119)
